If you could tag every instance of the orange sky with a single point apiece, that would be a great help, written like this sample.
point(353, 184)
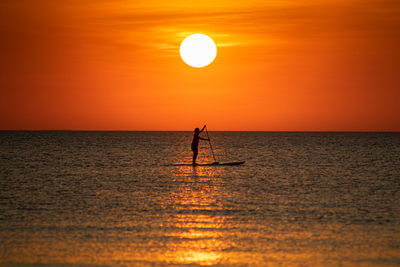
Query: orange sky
point(287, 65)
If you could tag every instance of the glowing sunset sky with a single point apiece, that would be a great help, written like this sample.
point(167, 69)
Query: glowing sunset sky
point(281, 65)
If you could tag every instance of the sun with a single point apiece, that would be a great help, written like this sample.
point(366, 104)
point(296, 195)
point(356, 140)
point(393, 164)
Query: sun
point(198, 50)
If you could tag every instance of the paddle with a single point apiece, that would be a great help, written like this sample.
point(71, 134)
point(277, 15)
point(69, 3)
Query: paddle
point(212, 151)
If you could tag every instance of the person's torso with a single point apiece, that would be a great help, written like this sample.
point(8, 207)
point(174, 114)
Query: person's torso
point(195, 142)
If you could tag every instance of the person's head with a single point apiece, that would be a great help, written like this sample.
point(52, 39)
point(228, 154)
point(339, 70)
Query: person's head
point(196, 130)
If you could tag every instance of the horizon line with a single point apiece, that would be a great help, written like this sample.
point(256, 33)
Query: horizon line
point(266, 131)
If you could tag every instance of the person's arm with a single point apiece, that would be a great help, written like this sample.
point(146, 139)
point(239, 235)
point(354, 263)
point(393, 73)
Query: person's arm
point(203, 128)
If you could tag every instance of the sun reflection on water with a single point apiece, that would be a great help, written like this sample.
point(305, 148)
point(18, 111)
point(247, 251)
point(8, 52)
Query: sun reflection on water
point(193, 256)
point(199, 235)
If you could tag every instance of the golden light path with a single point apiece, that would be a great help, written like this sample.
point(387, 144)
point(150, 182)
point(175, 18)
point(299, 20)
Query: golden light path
point(200, 232)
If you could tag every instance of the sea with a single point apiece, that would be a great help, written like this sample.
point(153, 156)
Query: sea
point(75, 198)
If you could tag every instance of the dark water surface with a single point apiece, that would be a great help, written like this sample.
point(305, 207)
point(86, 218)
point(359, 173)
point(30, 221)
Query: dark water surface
point(107, 199)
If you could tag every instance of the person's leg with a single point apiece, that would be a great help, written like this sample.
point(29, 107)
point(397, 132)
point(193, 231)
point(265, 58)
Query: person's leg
point(195, 152)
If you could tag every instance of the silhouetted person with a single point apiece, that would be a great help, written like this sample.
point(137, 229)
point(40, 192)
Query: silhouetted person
point(195, 143)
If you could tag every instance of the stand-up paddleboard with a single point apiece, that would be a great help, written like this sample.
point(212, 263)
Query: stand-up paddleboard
point(215, 163)
point(235, 163)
